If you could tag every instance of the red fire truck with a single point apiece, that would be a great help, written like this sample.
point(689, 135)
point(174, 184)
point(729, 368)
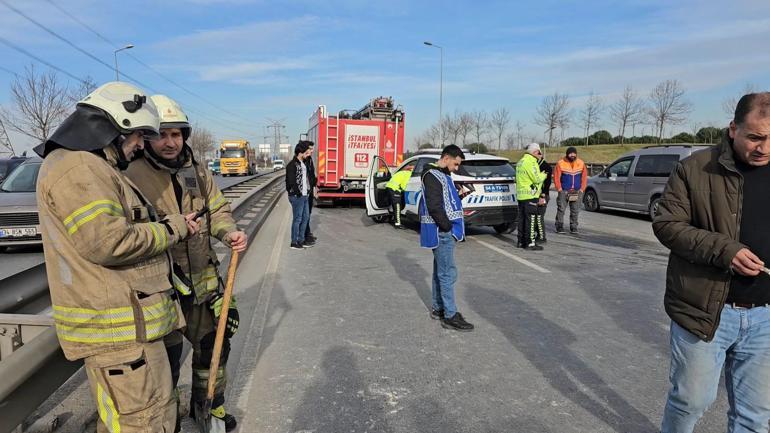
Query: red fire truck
point(347, 143)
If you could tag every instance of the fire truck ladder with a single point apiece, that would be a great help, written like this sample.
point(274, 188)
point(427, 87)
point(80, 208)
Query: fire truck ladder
point(332, 151)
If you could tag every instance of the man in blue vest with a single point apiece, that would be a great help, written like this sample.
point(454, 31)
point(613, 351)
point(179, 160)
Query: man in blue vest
point(441, 225)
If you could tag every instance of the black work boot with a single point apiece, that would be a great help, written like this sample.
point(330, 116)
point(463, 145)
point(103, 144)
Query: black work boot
point(457, 323)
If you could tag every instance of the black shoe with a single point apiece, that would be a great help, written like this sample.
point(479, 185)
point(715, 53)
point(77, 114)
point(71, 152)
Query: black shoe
point(295, 246)
point(457, 323)
point(541, 241)
point(574, 232)
point(534, 247)
point(308, 244)
point(560, 230)
point(311, 238)
point(399, 226)
point(436, 314)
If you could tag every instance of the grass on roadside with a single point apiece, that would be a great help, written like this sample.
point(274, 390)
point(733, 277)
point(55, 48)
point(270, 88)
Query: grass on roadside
point(595, 154)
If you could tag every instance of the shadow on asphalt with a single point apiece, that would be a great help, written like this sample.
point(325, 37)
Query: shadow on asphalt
point(545, 344)
point(338, 400)
point(411, 272)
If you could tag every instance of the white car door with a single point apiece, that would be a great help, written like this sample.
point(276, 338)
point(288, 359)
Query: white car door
point(377, 202)
point(414, 186)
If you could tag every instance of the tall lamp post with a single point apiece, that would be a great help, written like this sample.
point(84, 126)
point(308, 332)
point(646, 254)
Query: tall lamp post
point(441, 91)
point(127, 47)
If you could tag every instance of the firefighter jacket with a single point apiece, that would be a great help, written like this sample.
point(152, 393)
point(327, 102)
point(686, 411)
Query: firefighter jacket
point(529, 178)
point(195, 262)
point(105, 253)
point(569, 175)
point(399, 180)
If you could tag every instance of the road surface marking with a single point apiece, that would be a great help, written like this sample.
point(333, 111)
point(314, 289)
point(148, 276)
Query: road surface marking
point(511, 256)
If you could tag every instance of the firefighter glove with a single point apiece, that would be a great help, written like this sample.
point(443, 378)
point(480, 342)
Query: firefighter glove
point(233, 319)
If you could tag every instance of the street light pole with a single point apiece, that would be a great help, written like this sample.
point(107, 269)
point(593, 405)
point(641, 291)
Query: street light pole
point(440, 91)
point(127, 47)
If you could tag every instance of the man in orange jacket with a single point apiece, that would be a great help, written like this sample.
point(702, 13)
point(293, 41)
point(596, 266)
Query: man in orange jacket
point(570, 178)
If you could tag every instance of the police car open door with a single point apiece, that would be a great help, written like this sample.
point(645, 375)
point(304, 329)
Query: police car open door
point(377, 199)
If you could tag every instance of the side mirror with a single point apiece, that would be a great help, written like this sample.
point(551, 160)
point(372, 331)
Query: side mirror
point(613, 176)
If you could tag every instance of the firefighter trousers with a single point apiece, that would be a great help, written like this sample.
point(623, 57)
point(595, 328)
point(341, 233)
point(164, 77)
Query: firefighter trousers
point(132, 389)
point(200, 332)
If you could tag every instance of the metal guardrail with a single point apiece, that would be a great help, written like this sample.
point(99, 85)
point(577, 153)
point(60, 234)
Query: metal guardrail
point(37, 366)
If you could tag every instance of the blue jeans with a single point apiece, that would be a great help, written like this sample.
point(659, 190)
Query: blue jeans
point(742, 345)
point(300, 218)
point(444, 275)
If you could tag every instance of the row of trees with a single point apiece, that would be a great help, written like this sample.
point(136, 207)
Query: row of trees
point(664, 107)
point(39, 102)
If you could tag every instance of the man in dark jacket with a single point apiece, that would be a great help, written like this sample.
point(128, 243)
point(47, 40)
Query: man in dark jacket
point(713, 217)
point(313, 181)
point(298, 188)
point(441, 225)
point(542, 203)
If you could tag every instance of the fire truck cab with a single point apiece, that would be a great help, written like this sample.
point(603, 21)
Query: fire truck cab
point(346, 145)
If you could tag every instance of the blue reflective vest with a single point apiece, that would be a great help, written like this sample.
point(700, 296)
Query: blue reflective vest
point(453, 207)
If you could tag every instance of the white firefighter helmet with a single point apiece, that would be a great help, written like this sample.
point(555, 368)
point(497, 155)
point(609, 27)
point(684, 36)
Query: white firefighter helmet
point(127, 106)
point(171, 114)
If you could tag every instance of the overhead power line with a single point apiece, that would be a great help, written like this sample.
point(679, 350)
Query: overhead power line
point(38, 59)
point(136, 59)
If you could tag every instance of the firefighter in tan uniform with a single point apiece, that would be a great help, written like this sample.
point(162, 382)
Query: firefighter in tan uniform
point(174, 181)
point(107, 261)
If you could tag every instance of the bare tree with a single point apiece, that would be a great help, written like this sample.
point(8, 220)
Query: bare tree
point(202, 142)
point(40, 103)
point(627, 111)
point(590, 114)
point(668, 105)
point(553, 113)
point(83, 89)
point(480, 124)
point(728, 105)
point(451, 128)
point(519, 127)
point(6, 147)
point(499, 123)
point(464, 125)
point(510, 141)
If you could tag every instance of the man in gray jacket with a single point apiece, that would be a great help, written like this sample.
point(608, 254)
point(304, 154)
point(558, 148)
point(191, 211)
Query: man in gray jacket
point(713, 217)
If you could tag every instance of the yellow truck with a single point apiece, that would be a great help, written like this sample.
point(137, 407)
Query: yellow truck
point(236, 157)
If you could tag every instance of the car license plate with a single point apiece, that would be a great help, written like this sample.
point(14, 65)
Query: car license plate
point(17, 232)
point(497, 188)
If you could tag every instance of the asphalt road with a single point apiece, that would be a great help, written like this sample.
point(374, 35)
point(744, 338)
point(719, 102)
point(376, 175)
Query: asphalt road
point(570, 339)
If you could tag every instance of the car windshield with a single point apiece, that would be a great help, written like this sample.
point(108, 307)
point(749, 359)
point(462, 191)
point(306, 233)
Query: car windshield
point(22, 179)
point(488, 168)
point(233, 153)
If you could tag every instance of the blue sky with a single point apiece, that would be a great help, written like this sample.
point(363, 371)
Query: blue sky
point(279, 60)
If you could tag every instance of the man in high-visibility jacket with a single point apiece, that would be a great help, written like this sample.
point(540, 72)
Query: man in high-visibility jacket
point(529, 184)
point(570, 177)
point(396, 187)
point(107, 261)
point(173, 180)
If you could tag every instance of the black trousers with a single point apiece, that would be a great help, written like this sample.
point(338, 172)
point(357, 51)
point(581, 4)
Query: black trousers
point(527, 229)
point(396, 205)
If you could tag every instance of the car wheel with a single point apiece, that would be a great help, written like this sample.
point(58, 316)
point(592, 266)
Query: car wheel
point(502, 228)
point(591, 201)
point(654, 203)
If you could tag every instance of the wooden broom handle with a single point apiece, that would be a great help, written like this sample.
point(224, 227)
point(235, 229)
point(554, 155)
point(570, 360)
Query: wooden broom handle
point(220, 337)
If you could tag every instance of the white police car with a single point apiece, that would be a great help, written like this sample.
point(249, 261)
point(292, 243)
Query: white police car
point(491, 178)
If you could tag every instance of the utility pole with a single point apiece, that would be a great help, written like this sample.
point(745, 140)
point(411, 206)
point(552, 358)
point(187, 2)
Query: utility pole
point(277, 126)
point(6, 148)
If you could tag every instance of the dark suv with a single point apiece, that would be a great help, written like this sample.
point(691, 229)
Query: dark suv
point(635, 181)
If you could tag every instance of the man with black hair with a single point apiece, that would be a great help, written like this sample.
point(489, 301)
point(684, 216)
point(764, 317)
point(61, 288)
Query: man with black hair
point(545, 197)
point(174, 181)
point(441, 225)
point(713, 216)
point(298, 188)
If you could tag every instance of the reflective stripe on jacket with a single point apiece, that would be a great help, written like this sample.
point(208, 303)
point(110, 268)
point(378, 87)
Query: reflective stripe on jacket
point(193, 256)
point(570, 175)
point(452, 206)
point(108, 273)
point(529, 178)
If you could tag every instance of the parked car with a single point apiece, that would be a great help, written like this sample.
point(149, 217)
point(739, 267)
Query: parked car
point(19, 221)
point(635, 181)
point(278, 164)
point(214, 167)
point(8, 164)
point(491, 178)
